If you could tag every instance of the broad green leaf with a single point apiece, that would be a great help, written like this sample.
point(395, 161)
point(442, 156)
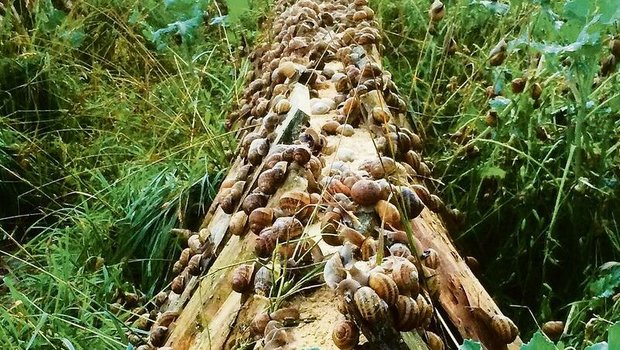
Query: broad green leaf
point(578, 9)
point(609, 10)
point(538, 342)
point(470, 345)
point(598, 346)
point(613, 337)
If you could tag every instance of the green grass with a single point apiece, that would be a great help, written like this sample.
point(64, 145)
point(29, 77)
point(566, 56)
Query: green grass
point(111, 134)
point(540, 188)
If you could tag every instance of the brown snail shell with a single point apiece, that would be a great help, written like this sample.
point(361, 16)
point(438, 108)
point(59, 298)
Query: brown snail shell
point(334, 272)
point(384, 286)
point(380, 168)
point(259, 219)
point(184, 258)
point(283, 106)
point(345, 335)
point(296, 203)
point(426, 310)
point(370, 305)
point(194, 244)
point(269, 180)
point(258, 149)
point(414, 159)
point(287, 227)
point(193, 267)
point(503, 327)
point(422, 193)
point(369, 248)
point(406, 314)
point(301, 155)
point(336, 186)
point(241, 278)
point(236, 224)
point(366, 192)
point(253, 201)
point(405, 275)
point(275, 339)
point(158, 335)
point(258, 324)
point(160, 298)
point(329, 224)
point(346, 130)
point(263, 281)
point(437, 11)
point(330, 127)
point(178, 284)
point(387, 212)
point(553, 329)
point(430, 258)
point(380, 115)
point(265, 243)
point(351, 235)
point(434, 341)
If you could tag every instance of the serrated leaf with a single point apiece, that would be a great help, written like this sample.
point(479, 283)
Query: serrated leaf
point(470, 345)
point(538, 342)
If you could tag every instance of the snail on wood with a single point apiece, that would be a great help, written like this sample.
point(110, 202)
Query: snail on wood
point(345, 335)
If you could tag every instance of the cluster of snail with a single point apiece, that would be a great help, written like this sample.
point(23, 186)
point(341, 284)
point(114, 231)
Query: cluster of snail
point(378, 273)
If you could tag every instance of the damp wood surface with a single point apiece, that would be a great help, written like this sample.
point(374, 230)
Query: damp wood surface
point(213, 316)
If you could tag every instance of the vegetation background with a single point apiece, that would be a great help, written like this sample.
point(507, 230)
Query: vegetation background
point(111, 134)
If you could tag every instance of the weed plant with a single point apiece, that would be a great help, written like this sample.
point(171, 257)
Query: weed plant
point(537, 177)
point(111, 134)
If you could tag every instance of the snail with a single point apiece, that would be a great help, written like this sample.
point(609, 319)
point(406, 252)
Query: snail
point(345, 130)
point(387, 212)
point(426, 310)
point(401, 250)
point(283, 106)
point(258, 324)
point(296, 203)
point(329, 223)
point(345, 335)
point(553, 329)
point(287, 227)
point(369, 248)
point(258, 149)
point(380, 167)
point(286, 315)
point(330, 127)
point(160, 298)
point(370, 306)
point(536, 91)
point(411, 204)
point(260, 218)
point(158, 335)
point(380, 115)
point(269, 180)
point(193, 266)
point(253, 201)
point(430, 258)
point(366, 192)
point(503, 327)
point(406, 314)
point(434, 341)
point(437, 11)
point(517, 85)
point(405, 275)
point(265, 243)
point(178, 284)
point(241, 278)
point(184, 257)
point(384, 286)
point(194, 244)
point(498, 53)
point(237, 223)
point(263, 281)
point(334, 272)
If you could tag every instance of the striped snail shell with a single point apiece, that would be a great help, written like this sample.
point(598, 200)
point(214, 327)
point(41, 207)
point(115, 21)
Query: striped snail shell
point(241, 278)
point(426, 310)
point(434, 341)
point(259, 219)
point(296, 203)
point(287, 227)
point(503, 327)
point(370, 305)
point(369, 248)
point(345, 335)
point(406, 315)
point(253, 201)
point(405, 275)
point(430, 258)
point(265, 243)
point(384, 286)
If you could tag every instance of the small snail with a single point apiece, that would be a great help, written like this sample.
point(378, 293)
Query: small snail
point(399, 249)
point(345, 335)
point(253, 201)
point(503, 327)
point(405, 276)
point(430, 258)
point(370, 305)
point(384, 286)
point(387, 212)
point(553, 329)
point(434, 341)
point(263, 281)
point(334, 272)
point(258, 324)
point(437, 11)
point(236, 224)
point(330, 127)
point(158, 335)
point(178, 284)
point(287, 227)
point(259, 219)
point(411, 204)
point(193, 266)
point(366, 192)
point(241, 278)
point(498, 53)
point(329, 223)
point(283, 106)
point(194, 244)
point(296, 203)
point(406, 314)
point(184, 258)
